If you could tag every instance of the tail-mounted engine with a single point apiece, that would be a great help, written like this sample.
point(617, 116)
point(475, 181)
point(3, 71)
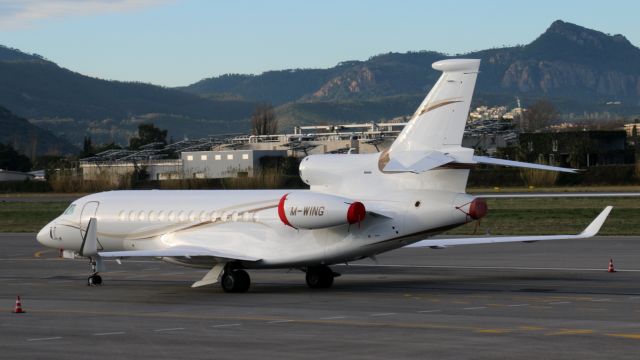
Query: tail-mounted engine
point(308, 210)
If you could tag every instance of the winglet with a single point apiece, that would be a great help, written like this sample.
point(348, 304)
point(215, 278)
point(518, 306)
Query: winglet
point(596, 224)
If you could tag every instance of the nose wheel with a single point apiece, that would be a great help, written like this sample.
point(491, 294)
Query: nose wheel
point(94, 280)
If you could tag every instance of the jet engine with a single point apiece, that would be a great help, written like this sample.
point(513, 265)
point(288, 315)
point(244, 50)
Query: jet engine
point(307, 210)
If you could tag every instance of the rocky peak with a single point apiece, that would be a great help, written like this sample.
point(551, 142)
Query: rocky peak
point(582, 36)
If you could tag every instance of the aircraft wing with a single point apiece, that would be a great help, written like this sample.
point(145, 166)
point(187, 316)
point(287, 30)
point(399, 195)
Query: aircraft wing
point(588, 232)
point(185, 251)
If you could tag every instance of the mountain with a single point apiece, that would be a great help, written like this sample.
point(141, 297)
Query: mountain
point(29, 139)
point(578, 68)
point(72, 105)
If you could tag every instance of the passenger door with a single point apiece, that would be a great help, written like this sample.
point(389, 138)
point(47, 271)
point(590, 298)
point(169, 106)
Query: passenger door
point(89, 210)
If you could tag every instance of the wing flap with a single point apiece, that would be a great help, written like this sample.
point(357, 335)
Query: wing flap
point(590, 231)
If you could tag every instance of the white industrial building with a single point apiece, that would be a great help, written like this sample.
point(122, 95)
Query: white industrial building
point(224, 163)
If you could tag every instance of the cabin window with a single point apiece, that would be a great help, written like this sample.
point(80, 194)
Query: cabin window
point(203, 157)
point(192, 216)
point(182, 217)
point(132, 215)
point(161, 216)
point(152, 216)
point(171, 216)
point(214, 216)
point(141, 216)
point(229, 156)
point(203, 216)
point(122, 216)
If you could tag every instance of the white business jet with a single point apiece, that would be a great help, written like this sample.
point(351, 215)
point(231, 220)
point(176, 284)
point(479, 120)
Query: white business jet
point(358, 205)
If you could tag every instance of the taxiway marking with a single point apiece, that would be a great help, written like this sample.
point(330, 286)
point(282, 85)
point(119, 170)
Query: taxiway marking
point(46, 338)
point(169, 329)
point(109, 333)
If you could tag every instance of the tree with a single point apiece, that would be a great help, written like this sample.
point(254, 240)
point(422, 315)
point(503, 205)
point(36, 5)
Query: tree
point(539, 115)
point(10, 159)
point(263, 120)
point(147, 134)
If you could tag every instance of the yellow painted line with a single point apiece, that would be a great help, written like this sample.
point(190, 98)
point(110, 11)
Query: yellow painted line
point(571, 332)
point(626, 336)
point(530, 328)
point(494, 331)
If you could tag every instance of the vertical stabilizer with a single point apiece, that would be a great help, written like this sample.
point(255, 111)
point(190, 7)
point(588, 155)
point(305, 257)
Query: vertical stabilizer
point(440, 120)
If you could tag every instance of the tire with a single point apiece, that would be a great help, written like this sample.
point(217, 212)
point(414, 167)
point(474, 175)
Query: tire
point(235, 281)
point(319, 277)
point(94, 280)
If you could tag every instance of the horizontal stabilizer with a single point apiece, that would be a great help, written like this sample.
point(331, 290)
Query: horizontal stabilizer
point(588, 232)
point(417, 161)
point(502, 162)
point(185, 251)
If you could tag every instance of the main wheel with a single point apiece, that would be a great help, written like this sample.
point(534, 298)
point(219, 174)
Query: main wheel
point(319, 277)
point(235, 281)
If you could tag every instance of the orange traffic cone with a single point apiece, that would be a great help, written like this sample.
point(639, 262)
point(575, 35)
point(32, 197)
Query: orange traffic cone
point(18, 308)
point(611, 269)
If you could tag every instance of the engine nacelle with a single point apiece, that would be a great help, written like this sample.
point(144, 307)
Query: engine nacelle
point(307, 210)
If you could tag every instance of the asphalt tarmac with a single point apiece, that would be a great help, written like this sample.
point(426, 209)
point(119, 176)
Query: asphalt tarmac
point(547, 300)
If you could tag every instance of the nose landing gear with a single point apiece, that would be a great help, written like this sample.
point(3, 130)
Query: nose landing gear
point(95, 279)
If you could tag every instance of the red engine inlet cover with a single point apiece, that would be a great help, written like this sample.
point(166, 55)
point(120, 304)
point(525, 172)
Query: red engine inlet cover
point(478, 209)
point(356, 212)
point(281, 213)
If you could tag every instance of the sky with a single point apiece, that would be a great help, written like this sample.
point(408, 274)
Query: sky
point(178, 42)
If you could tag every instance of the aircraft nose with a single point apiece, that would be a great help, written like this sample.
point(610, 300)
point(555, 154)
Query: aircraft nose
point(44, 236)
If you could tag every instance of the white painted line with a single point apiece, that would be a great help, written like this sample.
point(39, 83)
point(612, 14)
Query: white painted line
point(45, 339)
point(634, 297)
point(169, 329)
point(333, 317)
point(560, 302)
point(279, 321)
point(382, 314)
point(109, 333)
point(489, 267)
point(517, 305)
point(224, 325)
point(475, 308)
point(429, 311)
point(600, 300)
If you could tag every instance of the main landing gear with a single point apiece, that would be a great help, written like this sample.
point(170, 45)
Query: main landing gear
point(320, 277)
point(235, 280)
point(94, 279)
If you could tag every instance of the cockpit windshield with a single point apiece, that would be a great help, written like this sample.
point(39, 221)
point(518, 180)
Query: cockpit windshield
point(69, 210)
